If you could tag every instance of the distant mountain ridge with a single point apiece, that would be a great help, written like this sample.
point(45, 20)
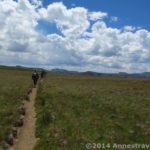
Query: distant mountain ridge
point(88, 73)
point(92, 73)
point(19, 67)
point(64, 71)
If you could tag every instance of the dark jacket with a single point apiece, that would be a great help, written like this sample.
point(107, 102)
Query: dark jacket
point(35, 76)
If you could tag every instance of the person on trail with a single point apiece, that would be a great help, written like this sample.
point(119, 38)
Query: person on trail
point(35, 77)
point(43, 73)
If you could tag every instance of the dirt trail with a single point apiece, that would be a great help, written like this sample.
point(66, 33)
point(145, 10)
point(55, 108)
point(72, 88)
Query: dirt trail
point(26, 136)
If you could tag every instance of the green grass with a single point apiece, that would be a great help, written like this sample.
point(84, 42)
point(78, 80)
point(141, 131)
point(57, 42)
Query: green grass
point(73, 110)
point(14, 85)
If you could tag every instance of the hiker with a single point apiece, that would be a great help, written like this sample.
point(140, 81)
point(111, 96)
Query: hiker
point(43, 73)
point(35, 77)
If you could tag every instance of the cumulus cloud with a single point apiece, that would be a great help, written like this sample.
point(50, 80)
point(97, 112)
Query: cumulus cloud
point(97, 15)
point(72, 21)
point(83, 41)
point(36, 3)
point(129, 28)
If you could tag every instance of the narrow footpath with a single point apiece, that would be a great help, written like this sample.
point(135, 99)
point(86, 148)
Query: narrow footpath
point(26, 139)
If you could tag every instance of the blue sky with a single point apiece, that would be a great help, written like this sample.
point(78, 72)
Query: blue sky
point(96, 35)
point(129, 12)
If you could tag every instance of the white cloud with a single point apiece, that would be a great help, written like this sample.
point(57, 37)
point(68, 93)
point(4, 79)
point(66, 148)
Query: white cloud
point(129, 28)
point(36, 3)
point(71, 22)
point(97, 15)
point(81, 45)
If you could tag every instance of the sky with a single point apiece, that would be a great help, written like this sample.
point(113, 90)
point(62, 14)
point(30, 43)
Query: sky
point(84, 35)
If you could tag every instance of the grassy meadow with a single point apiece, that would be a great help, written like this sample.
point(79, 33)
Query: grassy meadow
point(14, 85)
point(73, 110)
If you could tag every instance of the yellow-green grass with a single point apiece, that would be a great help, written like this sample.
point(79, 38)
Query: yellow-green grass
point(14, 85)
point(73, 110)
